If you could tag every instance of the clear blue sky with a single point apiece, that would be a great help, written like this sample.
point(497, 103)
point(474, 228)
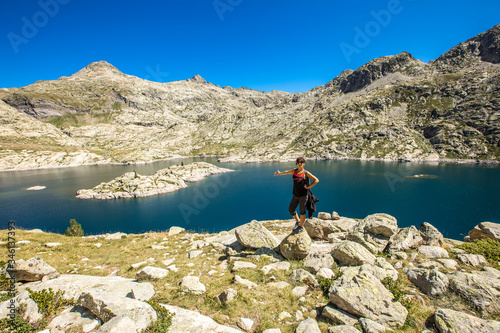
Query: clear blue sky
point(274, 44)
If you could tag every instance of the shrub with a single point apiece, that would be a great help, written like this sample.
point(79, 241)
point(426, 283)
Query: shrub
point(324, 284)
point(164, 321)
point(74, 229)
point(487, 247)
point(19, 325)
point(397, 288)
point(48, 301)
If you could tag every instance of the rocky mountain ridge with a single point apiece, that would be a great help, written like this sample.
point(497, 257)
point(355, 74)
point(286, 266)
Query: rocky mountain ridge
point(393, 107)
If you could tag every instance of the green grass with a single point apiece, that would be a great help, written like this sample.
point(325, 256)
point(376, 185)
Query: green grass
point(489, 248)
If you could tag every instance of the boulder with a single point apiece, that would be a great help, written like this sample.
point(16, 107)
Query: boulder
point(431, 235)
point(115, 236)
point(308, 326)
point(239, 265)
point(33, 269)
point(296, 246)
point(433, 251)
point(405, 239)
point(279, 266)
point(302, 276)
point(73, 285)
point(380, 224)
point(481, 288)
point(363, 295)
point(152, 273)
point(348, 253)
point(300, 291)
point(429, 281)
point(227, 296)
point(335, 216)
point(194, 254)
point(107, 306)
point(192, 284)
point(245, 324)
point(175, 231)
point(380, 269)
point(278, 285)
point(194, 322)
point(244, 282)
point(448, 263)
point(324, 216)
point(319, 228)
point(485, 230)
point(450, 321)
point(74, 317)
point(345, 224)
point(326, 273)
point(475, 260)
point(118, 325)
point(272, 254)
point(316, 260)
point(343, 329)
point(370, 326)
point(255, 235)
point(374, 232)
point(338, 316)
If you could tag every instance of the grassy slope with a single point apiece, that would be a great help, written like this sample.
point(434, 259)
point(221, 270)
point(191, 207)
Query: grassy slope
point(262, 304)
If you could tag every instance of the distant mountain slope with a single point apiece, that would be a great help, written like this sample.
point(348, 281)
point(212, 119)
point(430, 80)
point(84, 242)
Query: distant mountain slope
point(393, 107)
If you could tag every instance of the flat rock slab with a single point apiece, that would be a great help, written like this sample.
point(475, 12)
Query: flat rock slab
point(186, 321)
point(73, 285)
point(106, 306)
point(363, 295)
point(255, 235)
point(454, 321)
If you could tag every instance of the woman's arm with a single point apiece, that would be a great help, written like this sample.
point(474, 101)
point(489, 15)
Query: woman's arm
point(315, 180)
point(288, 172)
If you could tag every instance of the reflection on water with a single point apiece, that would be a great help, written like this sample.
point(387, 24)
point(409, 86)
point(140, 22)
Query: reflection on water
point(454, 198)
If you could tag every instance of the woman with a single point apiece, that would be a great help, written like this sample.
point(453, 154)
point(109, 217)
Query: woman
point(300, 186)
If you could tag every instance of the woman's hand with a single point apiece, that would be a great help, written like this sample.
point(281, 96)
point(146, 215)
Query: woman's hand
point(277, 173)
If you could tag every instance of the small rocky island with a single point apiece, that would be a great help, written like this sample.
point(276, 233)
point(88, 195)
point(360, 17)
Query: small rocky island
point(133, 185)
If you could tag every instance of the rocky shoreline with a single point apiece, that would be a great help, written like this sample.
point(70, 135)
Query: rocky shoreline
point(356, 257)
point(133, 185)
point(235, 159)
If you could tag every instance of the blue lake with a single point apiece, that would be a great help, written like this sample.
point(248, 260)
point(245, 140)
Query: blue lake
point(454, 198)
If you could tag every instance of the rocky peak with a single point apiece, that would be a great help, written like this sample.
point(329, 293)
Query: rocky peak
point(483, 47)
point(99, 67)
point(197, 78)
point(349, 81)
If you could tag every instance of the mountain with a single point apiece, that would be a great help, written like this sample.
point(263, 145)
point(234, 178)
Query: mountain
point(393, 107)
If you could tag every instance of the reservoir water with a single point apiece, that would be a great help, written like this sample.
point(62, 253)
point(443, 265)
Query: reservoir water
point(454, 198)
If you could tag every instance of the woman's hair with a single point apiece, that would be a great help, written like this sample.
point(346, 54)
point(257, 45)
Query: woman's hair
point(300, 159)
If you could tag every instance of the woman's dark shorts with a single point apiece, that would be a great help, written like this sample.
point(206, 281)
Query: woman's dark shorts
point(298, 201)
